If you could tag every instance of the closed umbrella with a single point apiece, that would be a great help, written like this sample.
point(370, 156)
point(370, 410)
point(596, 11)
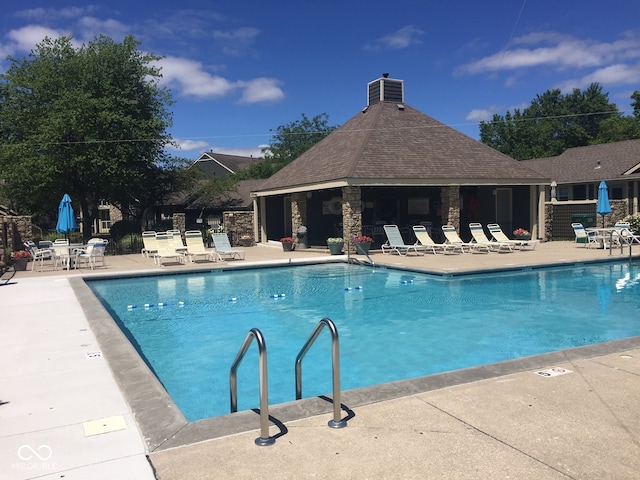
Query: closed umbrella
point(66, 218)
point(603, 201)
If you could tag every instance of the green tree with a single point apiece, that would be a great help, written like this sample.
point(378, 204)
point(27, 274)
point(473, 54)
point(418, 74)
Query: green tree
point(90, 122)
point(288, 143)
point(551, 124)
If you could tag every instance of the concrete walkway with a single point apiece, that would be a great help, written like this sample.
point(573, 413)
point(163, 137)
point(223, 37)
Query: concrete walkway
point(66, 413)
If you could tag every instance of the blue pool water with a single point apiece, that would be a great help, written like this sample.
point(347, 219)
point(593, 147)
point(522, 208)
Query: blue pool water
point(398, 325)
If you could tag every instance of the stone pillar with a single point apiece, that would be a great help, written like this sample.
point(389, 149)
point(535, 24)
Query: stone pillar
point(298, 212)
point(451, 206)
point(238, 225)
point(179, 222)
point(351, 213)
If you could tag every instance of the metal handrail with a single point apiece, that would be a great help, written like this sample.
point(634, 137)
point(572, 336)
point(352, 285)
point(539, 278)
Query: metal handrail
point(264, 438)
point(336, 422)
point(358, 248)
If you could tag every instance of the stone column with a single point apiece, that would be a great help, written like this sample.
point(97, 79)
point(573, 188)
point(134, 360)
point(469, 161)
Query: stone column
point(351, 213)
point(298, 212)
point(179, 221)
point(451, 206)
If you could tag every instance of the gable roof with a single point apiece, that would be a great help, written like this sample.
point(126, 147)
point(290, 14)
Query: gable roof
point(394, 144)
point(617, 161)
point(211, 162)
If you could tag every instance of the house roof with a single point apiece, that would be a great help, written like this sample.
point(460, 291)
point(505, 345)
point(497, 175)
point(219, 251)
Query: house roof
point(394, 144)
point(607, 161)
point(240, 199)
point(209, 162)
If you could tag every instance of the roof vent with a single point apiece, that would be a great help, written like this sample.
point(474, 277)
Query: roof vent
point(400, 106)
point(385, 90)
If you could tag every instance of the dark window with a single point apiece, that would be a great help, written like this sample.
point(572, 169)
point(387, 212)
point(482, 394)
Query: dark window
point(580, 192)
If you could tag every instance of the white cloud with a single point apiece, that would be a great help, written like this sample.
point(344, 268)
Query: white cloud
point(183, 145)
point(402, 38)
point(91, 27)
point(552, 49)
point(618, 74)
point(190, 78)
point(235, 42)
point(261, 90)
point(23, 40)
point(486, 114)
point(480, 114)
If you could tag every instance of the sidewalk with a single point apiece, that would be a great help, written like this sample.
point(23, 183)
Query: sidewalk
point(66, 415)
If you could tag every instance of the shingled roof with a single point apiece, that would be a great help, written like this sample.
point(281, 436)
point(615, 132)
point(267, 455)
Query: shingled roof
point(210, 162)
point(607, 161)
point(394, 144)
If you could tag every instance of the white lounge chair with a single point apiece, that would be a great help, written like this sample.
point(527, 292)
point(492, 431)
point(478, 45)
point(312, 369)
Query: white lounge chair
point(452, 238)
point(166, 249)
point(582, 236)
point(422, 234)
point(150, 244)
point(195, 246)
point(496, 232)
point(177, 241)
point(223, 247)
point(479, 237)
point(395, 243)
point(623, 229)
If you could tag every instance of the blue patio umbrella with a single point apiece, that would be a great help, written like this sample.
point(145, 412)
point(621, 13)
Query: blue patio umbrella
point(66, 218)
point(603, 201)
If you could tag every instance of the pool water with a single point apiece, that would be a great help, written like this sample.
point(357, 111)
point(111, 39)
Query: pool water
point(392, 324)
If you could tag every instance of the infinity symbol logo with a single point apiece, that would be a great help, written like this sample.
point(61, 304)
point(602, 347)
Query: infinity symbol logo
point(43, 452)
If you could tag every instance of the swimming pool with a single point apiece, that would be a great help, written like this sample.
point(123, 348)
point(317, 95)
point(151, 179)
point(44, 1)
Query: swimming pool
point(398, 325)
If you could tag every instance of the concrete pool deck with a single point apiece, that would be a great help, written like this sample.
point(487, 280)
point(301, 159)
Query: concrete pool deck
point(65, 413)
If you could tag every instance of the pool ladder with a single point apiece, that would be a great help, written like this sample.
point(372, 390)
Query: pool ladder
point(264, 438)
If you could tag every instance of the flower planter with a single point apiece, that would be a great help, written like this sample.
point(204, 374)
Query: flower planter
point(362, 248)
point(20, 264)
point(287, 246)
point(522, 237)
point(335, 248)
point(246, 242)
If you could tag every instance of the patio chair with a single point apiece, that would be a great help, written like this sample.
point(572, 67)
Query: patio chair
point(38, 254)
point(496, 232)
point(223, 247)
point(91, 254)
point(623, 229)
point(195, 246)
point(395, 243)
point(150, 243)
point(177, 241)
point(452, 238)
point(480, 238)
point(166, 249)
point(589, 239)
point(422, 234)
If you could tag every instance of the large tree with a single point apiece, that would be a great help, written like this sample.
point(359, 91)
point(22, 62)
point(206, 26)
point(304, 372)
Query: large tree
point(288, 143)
point(551, 124)
point(88, 121)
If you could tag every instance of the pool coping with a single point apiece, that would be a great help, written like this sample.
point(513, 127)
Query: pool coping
point(163, 425)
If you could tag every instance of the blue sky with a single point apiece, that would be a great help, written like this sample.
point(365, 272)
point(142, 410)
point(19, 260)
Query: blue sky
point(239, 69)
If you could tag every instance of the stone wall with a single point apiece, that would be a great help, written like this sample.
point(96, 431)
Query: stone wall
point(237, 224)
point(179, 222)
point(451, 206)
point(351, 213)
point(14, 231)
point(298, 213)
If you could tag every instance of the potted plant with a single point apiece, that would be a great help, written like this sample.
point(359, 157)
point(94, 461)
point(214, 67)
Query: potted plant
point(362, 243)
point(20, 259)
point(287, 243)
point(521, 234)
point(246, 240)
point(335, 245)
